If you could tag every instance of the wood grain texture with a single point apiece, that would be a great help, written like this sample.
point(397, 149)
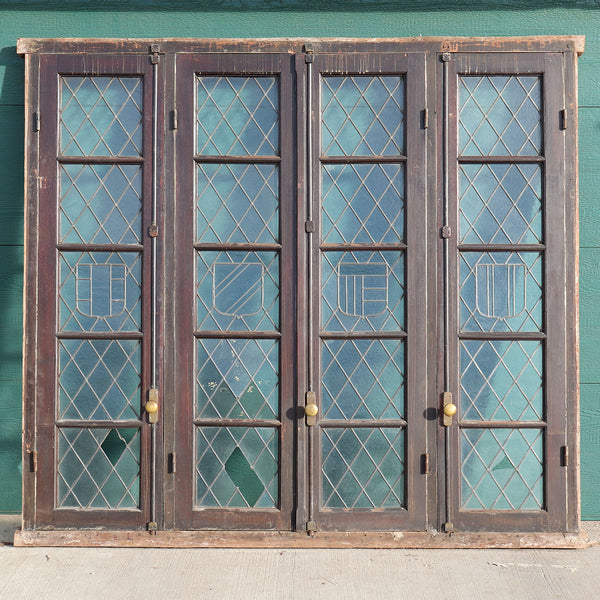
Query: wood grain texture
point(269, 539)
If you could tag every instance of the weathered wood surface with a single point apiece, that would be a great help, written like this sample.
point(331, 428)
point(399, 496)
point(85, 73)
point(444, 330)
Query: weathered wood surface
point(213, 539)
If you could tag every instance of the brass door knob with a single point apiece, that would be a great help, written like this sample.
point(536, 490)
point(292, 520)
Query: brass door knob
point(311, 410)
point(450, 409)
point(151, 406)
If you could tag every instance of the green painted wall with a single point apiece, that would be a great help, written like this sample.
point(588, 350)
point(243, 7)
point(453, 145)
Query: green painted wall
point(267, 18)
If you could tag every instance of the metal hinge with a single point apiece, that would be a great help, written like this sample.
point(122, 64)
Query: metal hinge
point(311, 526)
point(565, 456)
point(172, 466)
point(563, 119)
point(36, 121)
point(425, 118)
point(33, 457)
point(152, 527)
point(425, 463)
point(446, 231)
point(174, 117)
point(448, 527)
point(154, 51)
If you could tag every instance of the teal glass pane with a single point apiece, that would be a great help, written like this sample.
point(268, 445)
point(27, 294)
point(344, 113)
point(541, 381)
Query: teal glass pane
point(99, 379)
point(362, 468)
point(237, 116)
point(500, 115)
point(101, 116)
point(237, 467)
point(362, 115)
point(100, 291)
point(500, 204)
point(502, 469)
point(501, 291)
point(501, 380)
point(237, 203)
point(100, 204)
point(362, 379)
point(237, 379)
point(237, 291)
point(363, 203)
point(98, 468)
point(362, 291)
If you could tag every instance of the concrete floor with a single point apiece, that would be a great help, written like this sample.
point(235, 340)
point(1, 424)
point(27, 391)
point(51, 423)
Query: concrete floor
point(148, 574)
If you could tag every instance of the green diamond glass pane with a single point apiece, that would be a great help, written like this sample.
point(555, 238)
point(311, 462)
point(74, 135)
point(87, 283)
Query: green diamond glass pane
point(100, 204)
point(100, 291)
point(237, 379)
point(363, 203)
point(362, 379)
point(362, 291)
point(362, 115)
point(237, 291)
point(500, 204)
point(237, 203)
point(98, 468)
point(500, 115)
point(237, 467)
point(99, 379)
point(101, 116)
point(502, 469)
point(501, 380)
point(501, 291)
point(362, 468)
point(237, 116)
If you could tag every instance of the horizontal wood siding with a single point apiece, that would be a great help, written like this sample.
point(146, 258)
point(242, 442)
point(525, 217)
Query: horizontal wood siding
point(256, 18)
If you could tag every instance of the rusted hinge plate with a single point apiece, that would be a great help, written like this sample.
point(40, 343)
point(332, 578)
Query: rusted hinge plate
point(446, 232)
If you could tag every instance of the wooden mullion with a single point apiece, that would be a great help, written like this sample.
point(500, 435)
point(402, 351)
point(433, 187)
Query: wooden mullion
point(357, 160)
point(502, 424)
point(516, 159)
point(236, 247)
point(100, 160)
point(350, 247)
point(250, 159)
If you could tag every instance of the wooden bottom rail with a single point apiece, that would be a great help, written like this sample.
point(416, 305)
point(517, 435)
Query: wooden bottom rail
point(286, 539)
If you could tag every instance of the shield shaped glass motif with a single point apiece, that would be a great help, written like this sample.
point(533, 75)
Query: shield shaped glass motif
point(362, 289)
point(500, 289)
point(238, 288)
point(101, 289)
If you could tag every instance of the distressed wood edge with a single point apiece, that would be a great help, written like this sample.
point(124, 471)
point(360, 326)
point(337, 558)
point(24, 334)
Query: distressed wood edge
point(323, 540)
point(556, 43)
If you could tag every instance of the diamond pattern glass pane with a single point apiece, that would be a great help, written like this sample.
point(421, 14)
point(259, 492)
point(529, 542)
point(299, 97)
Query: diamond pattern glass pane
point(100, 291)
point(237, 116)
point(237, 203)
point(501, 380)
point(500, 204)
point(500, 115)
point(363, 203)
point(99, 379)
point(362, 116)
point(237, 379)
point(362, 291)
point(362, 468)
point(502, 469)
point(237, 291)
point(501, 291)
point(98, 468)
point(101, 116)
point(100, 204)
point(362, 379)
point(237, 467)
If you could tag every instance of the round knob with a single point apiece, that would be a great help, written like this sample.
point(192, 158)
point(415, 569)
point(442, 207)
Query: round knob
point(311, 410)
point(151, 406)
point(449, 409)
